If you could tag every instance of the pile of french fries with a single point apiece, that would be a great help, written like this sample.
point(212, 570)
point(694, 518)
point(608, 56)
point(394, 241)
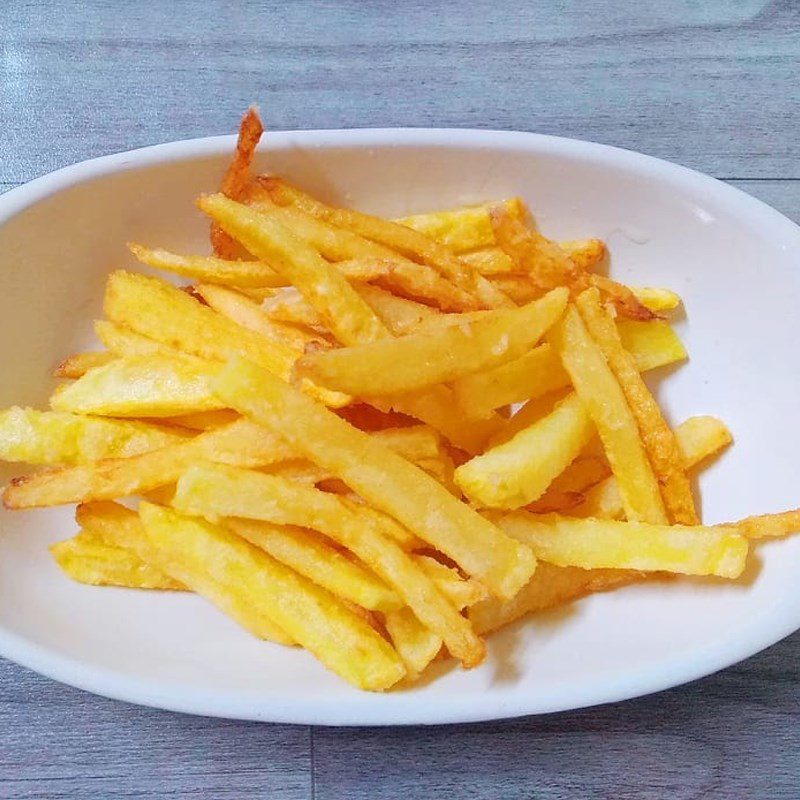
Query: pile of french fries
point(377, 439)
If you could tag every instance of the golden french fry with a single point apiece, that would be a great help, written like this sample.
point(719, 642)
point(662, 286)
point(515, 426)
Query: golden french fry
point(120, 527)
point(586, 254)
point(550, 586)
point(415, 644)
point(78, 365)
point(602, 543)
point(241, 443)
point(400, 238)
point(769, 525)
point(236, 181)
point(86, 558)
point(652, 343)
point(51, 437)
point(381, 477)
point(400, 315)
point(124, 343)
point(310, 555)
point(210, 269)
point(490, 261)
point(227, 570)
point(658, 440)
point(461, 592)
point(140, 386)
point(243, 311)
point(518, 472)
point(425, 359)
point(605, 401)
point(349, 318)
point(656, 299)
point(203, 420)
point(465, 228)
point(228, 492)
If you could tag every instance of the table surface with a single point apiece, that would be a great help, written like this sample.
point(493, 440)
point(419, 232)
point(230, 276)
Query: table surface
point(708, 84)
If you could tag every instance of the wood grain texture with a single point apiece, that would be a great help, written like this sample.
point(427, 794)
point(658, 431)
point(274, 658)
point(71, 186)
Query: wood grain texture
point(708, 84)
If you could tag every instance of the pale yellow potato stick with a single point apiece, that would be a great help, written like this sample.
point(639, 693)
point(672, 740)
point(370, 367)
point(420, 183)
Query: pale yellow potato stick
point(490, 261)
point(399, 314)
point(659, 441)
point(605, 401)
point(77, 365)
point(140, 386)
point(242, 443)
point(657, 299)
point(399, 238)
point(465, 228)
point(769, 525)
point(415, 644)
point(222, 566)
point(597, 543)
point(349, 318)
point(86, 558)
point(381, 477)
point(217, 491)
point(124, 343)
point(425, 359)
point(313, 556)
point(52, 437)
point(518, 472)
point(121, 527)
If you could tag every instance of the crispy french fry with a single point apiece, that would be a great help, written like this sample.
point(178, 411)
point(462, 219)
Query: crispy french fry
point(490, 261)
point(243, 311)
point(659, 441)
point(124, 343)
point(140, 386)
point(241, 443)
point(422, 360)
point(229, 492)
point(465, 228)
point(586, 254)
point(236, 180)
point(415, 644)
point(86, 558)
point(338, 244)
point(381, 477)
point(400, 315)
point(78, 365)
point(653, 343)
point(312, 556)
point(400, 238)
point(534, 410)
point(518, 472)
point(461, 592)
point(603, 398)
point(51, 437)
point(769, 525)
point(656, 299)
point(550, 586)
point(349, 318)
point(120, 527)
point(227, 570)
point(596, 543)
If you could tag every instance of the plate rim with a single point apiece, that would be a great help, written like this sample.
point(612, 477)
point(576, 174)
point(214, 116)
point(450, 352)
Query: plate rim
point(367, 709)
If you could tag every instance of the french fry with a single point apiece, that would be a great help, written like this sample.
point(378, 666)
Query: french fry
point(51, 437)
point(236, 180)
point(399, 238)
point(381, 477)
point(241, 443)
point(203, 420)
point(338, 244)
point(465, 228)
point(140, 386)
point(551, 586)
point(596, 543)
point(656, 299)
point(310, 555)
point(123, 343)
point(490, 261)
point(603, 398)
point(534, 410)
point(653, 343)
point(78, 365)
point(422, 360)
point(586, 254)
point(769, 525)
point(227, 570)
point(227, 492)
point(461, 592)
point(349, 318)
point(243, 311)
point(658, 440)
point(518, 472)
point(120, 527)
point(416, 645)
point(398, 314)
point(86, 558)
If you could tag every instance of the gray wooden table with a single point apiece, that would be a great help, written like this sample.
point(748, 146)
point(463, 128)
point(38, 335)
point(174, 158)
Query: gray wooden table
point(712, 85)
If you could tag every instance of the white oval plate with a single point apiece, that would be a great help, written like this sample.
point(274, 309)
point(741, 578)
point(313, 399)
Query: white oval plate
point(730, 257)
